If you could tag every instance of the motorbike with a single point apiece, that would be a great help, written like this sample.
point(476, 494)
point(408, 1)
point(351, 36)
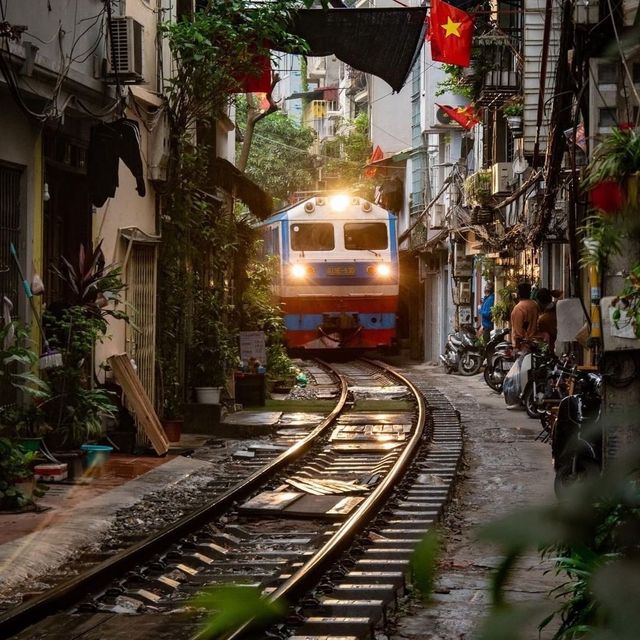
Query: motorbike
point(537, 368)
point(577, 435)
point(463, 352)
point(498, 359)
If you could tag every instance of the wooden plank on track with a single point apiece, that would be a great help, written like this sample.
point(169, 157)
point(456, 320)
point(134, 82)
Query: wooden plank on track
point(139, 401)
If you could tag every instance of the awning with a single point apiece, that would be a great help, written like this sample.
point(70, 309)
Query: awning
point(233, 181)
point(321, 93)
point(383, 42)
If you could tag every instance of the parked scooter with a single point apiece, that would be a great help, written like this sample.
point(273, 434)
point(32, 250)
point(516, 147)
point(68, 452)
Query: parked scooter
point(463, 352)
point(576, 435)
point(498, 359)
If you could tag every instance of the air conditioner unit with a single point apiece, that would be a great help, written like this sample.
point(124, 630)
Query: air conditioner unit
point(443, 121)
point(501, 177)
point(124, 51)
point(437, 216)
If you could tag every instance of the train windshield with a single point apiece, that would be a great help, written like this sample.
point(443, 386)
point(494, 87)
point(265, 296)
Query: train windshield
point(315, 236)
point(365, 235)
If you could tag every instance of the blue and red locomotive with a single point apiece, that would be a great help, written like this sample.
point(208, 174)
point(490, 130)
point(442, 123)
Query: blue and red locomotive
point(338, 277)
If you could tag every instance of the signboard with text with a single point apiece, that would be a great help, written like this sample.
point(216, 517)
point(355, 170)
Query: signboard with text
point(252, 345)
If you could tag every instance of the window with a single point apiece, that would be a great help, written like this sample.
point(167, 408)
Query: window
point(365, 235)
point(10, 207)
point(312, 236)
point(607, 73)
point(606, 117)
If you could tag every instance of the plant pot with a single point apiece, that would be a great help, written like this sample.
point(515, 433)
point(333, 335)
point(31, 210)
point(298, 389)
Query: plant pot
point(74, 461)
point(208, 395)
point(514, 122)
point(30, 444)
point(97, 455)
point(173, 429)
point(26, 486)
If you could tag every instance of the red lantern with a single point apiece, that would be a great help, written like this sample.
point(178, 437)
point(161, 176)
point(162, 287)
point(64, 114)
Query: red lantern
point(607, 196)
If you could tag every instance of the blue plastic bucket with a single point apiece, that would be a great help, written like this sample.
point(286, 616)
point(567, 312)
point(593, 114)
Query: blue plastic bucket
point(97, 454)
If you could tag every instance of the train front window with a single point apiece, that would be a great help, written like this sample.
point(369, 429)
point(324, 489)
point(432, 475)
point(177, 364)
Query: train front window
point(312, 236)
point(367, 236)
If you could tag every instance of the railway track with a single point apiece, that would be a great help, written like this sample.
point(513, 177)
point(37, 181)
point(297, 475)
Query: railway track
point(329, 525)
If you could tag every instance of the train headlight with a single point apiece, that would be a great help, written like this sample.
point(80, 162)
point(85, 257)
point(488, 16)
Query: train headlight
point(339, 203)
point(298, 271)
point(383, 270)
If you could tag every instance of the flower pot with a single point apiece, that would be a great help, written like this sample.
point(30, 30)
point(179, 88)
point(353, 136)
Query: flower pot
point(514, 122)
point(74, 462)
point(208, 395)
point(30, 444)
point(173, 429)
point(26, 486)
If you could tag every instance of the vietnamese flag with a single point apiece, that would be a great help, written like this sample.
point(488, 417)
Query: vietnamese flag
point(259, 80)
point(378, 154)
point(464, 116)
point(450, 32)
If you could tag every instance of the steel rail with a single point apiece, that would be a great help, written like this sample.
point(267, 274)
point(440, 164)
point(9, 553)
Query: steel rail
point(308, 575)
point(68, 592)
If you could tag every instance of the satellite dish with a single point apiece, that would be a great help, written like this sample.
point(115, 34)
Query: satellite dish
point(520, 164)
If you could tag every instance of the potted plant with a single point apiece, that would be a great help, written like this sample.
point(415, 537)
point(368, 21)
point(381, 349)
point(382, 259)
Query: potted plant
point(513, 108)
point(612, 175)
point(17, 484)
point(75, 324)
point(477, 189)
point(213, 351)
point(171, 403)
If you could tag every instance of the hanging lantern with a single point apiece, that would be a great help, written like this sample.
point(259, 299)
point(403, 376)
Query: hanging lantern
point(607, 196)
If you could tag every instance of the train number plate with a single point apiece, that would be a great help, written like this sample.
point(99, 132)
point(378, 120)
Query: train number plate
point(342, 271)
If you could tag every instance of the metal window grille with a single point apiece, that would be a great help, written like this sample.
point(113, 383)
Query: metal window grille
point(10, 205)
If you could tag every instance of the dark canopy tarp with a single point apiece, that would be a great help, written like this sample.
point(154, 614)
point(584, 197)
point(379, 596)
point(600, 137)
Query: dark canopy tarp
point(383, 42)
point(233, 181)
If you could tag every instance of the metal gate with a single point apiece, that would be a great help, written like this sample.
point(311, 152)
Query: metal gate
point(10, 205)
point(141, 274)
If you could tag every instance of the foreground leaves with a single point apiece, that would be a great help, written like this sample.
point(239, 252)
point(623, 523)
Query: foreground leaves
point(233, 606)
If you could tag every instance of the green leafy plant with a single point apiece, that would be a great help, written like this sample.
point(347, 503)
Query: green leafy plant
point(617, 157)
point(601, 239)
point(231, 607)
point(92, 293)
point(477, 188)
point(513, 106)
point(593, 535)
point(15, 466)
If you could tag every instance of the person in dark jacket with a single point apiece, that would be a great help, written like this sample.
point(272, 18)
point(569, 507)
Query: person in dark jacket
point(486, 319)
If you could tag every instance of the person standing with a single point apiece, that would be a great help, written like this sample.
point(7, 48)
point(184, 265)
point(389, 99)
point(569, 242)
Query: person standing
point(486, 319)
point(547, 321)
point(524, 317)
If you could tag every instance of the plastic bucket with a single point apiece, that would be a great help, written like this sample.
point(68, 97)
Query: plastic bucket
point(208, 395)
point(97, 454)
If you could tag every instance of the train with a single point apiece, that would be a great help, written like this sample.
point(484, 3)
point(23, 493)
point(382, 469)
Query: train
point(338, 277)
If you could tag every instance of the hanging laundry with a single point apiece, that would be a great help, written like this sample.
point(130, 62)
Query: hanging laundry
point(108, 143)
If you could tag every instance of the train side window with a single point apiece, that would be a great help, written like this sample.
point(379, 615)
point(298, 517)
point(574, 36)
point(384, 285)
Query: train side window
point(365, 235)
point(312, 236)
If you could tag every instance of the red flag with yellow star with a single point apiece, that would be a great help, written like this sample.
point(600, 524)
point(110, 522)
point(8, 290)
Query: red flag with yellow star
point(464, 116)
point(450, 32)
